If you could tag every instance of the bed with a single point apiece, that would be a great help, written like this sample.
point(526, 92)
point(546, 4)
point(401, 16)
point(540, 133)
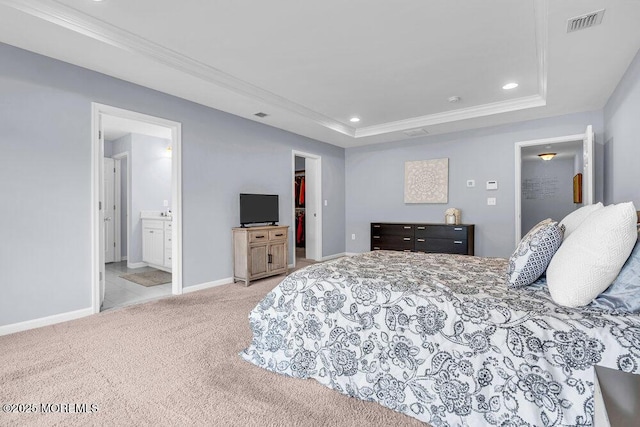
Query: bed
point(442, 339)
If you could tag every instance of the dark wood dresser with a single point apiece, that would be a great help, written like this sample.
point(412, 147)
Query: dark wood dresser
point(433, 238)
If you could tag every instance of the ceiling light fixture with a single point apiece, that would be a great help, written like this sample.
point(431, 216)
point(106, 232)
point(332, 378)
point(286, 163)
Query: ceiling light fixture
point(354, 119)
point(547, 156)
point(510, 86)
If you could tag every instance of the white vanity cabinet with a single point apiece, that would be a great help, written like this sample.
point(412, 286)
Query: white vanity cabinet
point(156, 242)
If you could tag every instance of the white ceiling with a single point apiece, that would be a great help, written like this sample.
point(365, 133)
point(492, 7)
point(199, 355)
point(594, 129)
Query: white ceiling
point(117, 127)
point(563, 150)
point(312, 66)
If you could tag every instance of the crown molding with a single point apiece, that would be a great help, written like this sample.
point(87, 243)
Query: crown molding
point(81, 23)
point(453, 116)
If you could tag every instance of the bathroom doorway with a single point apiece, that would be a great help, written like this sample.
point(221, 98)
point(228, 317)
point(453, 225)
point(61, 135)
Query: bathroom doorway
point(137, 211)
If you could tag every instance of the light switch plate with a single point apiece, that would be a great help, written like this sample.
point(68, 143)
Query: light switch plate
point(492, 185)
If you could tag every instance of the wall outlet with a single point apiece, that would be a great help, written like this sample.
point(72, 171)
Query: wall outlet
point(165, 203)
point(471, 183)
point(491, 201)
point(353, 237)
point(492, 185)
point(325, 203)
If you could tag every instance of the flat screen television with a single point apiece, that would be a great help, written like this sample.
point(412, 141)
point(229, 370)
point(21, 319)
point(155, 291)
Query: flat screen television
point(258, 208)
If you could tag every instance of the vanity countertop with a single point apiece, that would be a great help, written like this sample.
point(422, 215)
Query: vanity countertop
point(155, 215)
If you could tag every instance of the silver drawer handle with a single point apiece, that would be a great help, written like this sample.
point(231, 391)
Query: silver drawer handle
point(376, 237)
point(375, 247)
point(421, 228)
point(457, 242)
point(376, 226)
point(420, 240)
point(407, 238)
point(407, 227)
point(458, 228)
point(407, 250)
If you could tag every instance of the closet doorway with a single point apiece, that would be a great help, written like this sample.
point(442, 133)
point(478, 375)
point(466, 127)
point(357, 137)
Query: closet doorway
point(536, 184)
point(307, 208)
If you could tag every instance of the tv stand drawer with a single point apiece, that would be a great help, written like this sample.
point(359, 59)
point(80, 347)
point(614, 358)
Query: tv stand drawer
point(258, 236)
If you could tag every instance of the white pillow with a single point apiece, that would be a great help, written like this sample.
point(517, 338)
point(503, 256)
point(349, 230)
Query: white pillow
point(591, 257)
point(572, 221)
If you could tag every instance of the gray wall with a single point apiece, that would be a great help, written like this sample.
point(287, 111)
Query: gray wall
point(375, 179)
point(555, 196)
point(622, 139)
point(45, 180)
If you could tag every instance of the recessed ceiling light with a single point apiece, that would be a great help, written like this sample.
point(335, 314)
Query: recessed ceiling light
point(509, 86)
point(354, 119)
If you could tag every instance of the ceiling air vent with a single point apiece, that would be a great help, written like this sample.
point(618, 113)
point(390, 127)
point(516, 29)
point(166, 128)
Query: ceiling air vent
point(585, 21)
point(415, 132)
point(261, 114)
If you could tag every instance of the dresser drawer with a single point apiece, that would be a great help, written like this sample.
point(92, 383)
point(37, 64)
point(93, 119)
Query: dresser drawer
point(258, 236)
point(446, 246)
point(277, 234)
point(389, 246)
point(405, 230)
point(395, 241)
point(442, 231)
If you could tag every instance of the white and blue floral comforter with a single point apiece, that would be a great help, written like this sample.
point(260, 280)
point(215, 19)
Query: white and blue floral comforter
point(441, 338)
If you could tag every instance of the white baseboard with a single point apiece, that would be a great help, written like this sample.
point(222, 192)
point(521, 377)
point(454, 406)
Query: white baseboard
point(207, 285)
point(45, 321)
point(123, 258)
point(137, 264)
point(352, 253)
point(334, 256)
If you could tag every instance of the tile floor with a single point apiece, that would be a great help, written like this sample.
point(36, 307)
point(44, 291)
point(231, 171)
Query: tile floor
point(120, 292)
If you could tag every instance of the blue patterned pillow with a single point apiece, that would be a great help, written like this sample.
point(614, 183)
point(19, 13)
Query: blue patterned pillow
point(624, 292)
point(534, 253)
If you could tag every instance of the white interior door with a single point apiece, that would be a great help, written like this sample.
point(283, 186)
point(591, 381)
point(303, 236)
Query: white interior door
point(109, 210)
point(101, 205)
point(312, 208)
point(588, 174)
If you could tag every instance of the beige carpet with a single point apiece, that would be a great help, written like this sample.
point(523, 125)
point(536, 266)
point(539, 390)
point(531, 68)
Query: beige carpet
point(149, 278)
point(171, 362)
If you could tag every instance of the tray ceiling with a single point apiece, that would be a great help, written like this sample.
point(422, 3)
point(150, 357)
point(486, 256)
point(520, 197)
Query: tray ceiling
point(312, 67)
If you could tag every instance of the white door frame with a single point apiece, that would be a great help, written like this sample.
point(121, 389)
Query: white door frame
point(97, 153)
point(317, 187)
point(119, 157)
point(587, 150)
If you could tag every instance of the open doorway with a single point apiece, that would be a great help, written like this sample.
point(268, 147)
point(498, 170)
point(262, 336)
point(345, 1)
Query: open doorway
point(307, 208)
point(554, 176)
point(137, 213)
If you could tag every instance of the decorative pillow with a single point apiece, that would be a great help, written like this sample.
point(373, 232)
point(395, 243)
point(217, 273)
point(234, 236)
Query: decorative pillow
point(591, 257)
point(534, 253)
point(572, 221)
point(624, 292)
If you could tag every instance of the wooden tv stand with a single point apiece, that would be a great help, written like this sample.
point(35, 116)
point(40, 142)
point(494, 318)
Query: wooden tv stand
point(260, 252)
